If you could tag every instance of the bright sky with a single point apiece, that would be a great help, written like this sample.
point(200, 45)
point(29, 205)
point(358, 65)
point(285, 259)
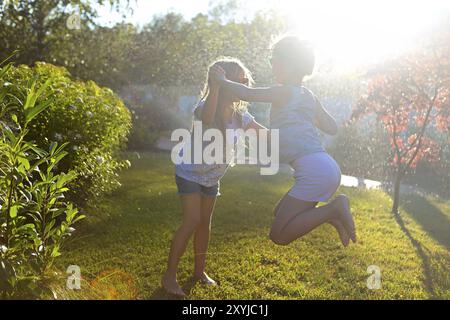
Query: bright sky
point(347, 33)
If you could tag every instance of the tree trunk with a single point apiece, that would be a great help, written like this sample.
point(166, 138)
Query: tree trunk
point(398, 179)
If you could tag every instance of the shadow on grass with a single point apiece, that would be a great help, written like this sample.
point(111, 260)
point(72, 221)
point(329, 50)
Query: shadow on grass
point(161, 294)
point(434, 223)
point(426, 261)
point(430, 217)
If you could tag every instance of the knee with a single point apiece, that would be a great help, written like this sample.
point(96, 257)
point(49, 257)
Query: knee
point(278, 239)
point(192, 224)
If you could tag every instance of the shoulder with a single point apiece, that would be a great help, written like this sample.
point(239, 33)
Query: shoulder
point(306, 97)
point(283, 91)
point(308, 93)
point(283, 94)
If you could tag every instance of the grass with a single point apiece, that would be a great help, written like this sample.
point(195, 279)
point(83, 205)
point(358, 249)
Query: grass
point(122, 247)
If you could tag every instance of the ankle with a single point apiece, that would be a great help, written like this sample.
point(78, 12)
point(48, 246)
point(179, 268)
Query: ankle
point(170, 274)
point(199, 274)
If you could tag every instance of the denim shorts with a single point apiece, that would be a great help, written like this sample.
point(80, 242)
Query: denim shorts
point(188, 187)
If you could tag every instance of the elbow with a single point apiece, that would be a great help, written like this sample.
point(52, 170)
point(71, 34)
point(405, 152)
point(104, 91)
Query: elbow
point(333, 130)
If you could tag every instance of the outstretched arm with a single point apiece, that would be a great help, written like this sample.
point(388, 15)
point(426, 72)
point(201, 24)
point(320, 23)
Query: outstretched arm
point(275, 95)
point(324, 121)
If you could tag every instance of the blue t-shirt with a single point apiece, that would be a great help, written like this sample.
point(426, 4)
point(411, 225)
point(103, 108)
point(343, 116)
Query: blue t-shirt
point(209, 174)
point(295, 121)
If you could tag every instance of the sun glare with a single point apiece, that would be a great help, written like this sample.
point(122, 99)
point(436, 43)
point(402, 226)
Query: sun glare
point(350, 33)
point(346, 33)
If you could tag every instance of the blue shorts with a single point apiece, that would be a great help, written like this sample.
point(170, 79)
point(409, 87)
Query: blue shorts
point(188, 187)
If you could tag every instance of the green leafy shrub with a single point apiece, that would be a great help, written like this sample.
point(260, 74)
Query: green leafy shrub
point(92, 120)
point(35, 217)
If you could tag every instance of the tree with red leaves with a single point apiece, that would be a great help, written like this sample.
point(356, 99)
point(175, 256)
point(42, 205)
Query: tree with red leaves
point(410, 97)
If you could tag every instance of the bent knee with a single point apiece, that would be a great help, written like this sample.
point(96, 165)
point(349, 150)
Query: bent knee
point(278, 239)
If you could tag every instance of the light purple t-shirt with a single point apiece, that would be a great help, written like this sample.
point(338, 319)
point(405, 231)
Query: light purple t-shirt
point(295, 122)
point(209, 175)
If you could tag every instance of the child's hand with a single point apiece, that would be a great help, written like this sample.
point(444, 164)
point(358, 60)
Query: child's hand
point(216, 74)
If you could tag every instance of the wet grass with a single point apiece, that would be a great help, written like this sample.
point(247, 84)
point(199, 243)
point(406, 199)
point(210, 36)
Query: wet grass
point(122, 247)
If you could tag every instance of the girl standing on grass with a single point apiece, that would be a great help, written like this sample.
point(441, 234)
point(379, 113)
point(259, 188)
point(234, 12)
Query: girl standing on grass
point(198, 184)
point(297, 112)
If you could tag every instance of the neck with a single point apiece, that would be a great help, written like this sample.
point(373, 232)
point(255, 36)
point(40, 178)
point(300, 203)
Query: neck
point(294, 81)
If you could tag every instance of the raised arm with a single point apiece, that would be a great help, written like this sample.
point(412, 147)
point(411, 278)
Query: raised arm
point(210, 107)
point(324, 121)
point(275, 95)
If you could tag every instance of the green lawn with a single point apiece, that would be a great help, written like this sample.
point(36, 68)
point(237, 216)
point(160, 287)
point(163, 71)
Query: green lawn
point(122, 247)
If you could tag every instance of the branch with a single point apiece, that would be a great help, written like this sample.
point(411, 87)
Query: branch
point(422, 131)
point(432, 100)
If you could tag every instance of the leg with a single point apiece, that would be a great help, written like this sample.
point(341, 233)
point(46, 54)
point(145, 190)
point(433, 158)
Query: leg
point(336, 223)
point(286, 210)
point(277, 207)
point(296, 218)
point(201, 240)
point(343, 234)
point(191, 205)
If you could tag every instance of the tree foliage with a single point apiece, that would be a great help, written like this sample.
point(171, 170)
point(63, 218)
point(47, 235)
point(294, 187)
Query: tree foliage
point(410, 96)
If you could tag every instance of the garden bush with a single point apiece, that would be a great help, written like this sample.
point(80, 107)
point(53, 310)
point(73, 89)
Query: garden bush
point(92, 120)
point(35, 217)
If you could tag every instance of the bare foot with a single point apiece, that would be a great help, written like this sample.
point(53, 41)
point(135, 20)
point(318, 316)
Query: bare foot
point(343, 206)
point(343, 235)
point(171, 286)
point(205, 279)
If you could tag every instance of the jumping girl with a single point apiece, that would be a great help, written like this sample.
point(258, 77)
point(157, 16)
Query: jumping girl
point(198, 184)
point(297, 112)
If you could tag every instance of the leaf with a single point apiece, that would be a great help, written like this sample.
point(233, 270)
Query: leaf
point(9, 134)
point(78, 218)
point(31, 97)
point(61, 147)
point(48, 228)
point(13, 211)
point(9, 57)
point(55, 252)
point(64, 178)
point(37, 150)
point(28, 226)
point(32, 113)
point(52, 148)
point(24, 162)
point(5, 69)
